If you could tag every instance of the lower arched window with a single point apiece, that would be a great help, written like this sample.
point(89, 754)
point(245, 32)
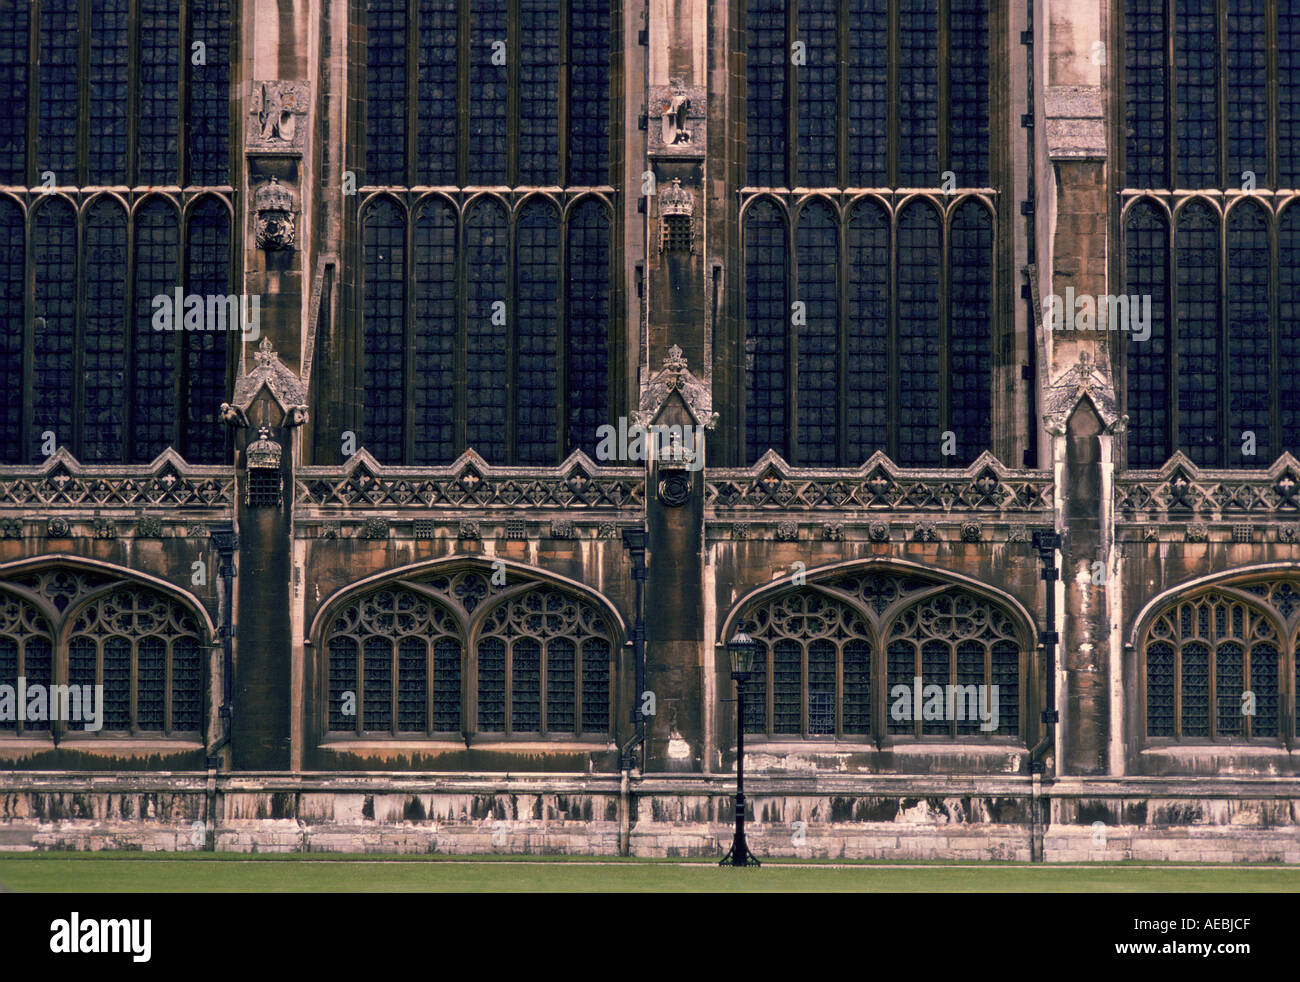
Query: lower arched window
point(1217, 664)
point(884, 654)
point(457, 655)
point(96, 653)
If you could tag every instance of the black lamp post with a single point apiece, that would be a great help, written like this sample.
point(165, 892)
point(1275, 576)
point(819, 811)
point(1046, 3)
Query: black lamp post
point(741, 648)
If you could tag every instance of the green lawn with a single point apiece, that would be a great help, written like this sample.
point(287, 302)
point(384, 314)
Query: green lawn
point(183, 873)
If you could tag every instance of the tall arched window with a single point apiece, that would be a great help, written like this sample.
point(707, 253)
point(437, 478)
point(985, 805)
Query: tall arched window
point(907, 359)
point(885, 654)
point(514, 343)
point(1219, 663)
point(124, 117)
point(1210, 103)
point(847, 350)
point(87, 629)
point(503, 285)
point(453, 655)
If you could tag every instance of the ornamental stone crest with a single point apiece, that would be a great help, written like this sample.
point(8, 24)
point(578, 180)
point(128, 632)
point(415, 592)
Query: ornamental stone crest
point(275, 116)
point(676, 377)
point(286, 388)
point(1083, 379)
point(274, 206)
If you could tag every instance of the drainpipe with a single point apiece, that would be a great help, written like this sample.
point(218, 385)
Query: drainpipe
point(225, 542)
point(628, 758)
point(1047, 543)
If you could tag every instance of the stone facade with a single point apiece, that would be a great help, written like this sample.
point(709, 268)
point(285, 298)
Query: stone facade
point(270, 774)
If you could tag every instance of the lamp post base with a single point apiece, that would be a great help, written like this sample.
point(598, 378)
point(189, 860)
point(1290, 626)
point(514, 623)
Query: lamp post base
point(739, 855)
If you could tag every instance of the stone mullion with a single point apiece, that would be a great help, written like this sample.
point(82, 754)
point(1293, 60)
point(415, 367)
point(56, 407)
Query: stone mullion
point(791, 95)
point(182, 107)
point(891, 344)
point(360, 683)
point(562, 108)
point(1221, 313)
point(1270, 74)
point(1221, 96)
point(1171, 97)
point(944, 381)
point(84, 136)
point(512, 332)
point(462, 98)
point(791, 449)
point(412, 76)
point(943, 95)
point(1171, 341)
point(562, 339)
point(461, 351)
point(409, 328)
point(842, 339)
point(133, 98)
point(515, 48)
point(34, 93)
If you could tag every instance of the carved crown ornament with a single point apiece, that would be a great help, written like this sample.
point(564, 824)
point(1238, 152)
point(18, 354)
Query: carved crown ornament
point(264, 453)
point(286, 388)
point(675, 199)
point(676, 377)
point(274, 207)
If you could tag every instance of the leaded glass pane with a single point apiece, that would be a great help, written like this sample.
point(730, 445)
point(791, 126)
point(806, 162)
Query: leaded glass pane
point(377, 679)
point(1247, 300)
point(1195, 86)
point(489, 83)
point(765, 98)
point(110, 56)
point(595, 686)
point(589, 311)
point(561, 655)
point(437, 88)
point(817, 246)
point(157, 249)
point(435, 333)
point(1199, 357)
point(204, 438)
point(160, 54)
point(54, 254)
point(386, 91)
point(589, 115)
point(537, 275)
point(971, 330)
point(208, 128)
point(1146, 252)
point(968, 88)
point(384, 329)
point(486, 265)
point(12, 323)
point(867, 371)
point(766, 318)
point(817, 92)
point(103, 338)
point(918, 93)
point(412, 681)
point(539, 80)
point(868, 93)
point(918, 336)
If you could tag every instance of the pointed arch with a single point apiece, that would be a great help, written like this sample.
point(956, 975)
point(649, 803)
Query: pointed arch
point(446, 647)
